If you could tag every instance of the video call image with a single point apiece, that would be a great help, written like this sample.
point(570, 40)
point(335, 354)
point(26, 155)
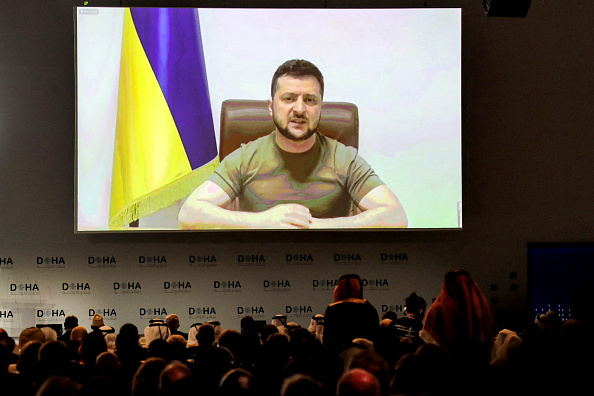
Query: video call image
point(331, 119)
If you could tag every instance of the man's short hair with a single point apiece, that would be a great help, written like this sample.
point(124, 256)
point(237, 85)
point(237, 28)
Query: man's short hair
point(172, 320)
point(297, 68)
point(70, 322)
point(31, 334)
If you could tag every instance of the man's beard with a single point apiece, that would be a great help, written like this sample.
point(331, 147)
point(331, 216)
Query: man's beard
point(287, 134)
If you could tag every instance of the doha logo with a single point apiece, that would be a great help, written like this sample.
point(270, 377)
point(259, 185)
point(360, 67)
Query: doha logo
point(53, 262)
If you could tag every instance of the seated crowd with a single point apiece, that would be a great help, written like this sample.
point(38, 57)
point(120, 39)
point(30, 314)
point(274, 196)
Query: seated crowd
point(453, 348)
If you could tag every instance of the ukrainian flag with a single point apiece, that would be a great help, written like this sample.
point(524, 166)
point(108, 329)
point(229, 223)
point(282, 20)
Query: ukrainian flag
point(165, 145)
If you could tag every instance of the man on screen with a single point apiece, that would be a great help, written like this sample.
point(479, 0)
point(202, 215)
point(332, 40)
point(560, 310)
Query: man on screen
point(294, 177)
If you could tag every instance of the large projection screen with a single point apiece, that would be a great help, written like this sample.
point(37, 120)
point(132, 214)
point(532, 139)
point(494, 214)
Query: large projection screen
point(401, 67)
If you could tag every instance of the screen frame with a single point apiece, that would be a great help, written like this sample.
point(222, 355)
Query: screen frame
point(77, 228)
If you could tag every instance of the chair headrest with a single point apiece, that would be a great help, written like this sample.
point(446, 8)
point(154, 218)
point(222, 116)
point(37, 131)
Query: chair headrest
point(245, 120)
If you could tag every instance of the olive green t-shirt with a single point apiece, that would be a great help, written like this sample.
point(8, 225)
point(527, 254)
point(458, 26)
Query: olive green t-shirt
point(330, 179)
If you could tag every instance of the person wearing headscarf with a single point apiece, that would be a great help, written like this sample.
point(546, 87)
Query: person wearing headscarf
point(157, 329)
point(316, 326)
point(459, 316)
point(350, 316)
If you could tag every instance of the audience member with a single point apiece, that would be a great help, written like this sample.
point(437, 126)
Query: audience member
point(316, 326)
point(30, 334)
point(280, 322)
point(411, 323)
point(172, 322)
point(409, 376)
point(129, 351)
point(451, 356)
point(157, 329)
point(350, 316)
point(146, 379)
point(192, 335)
point(218, 329)
point(92, 346)
point(59, 386)
point(358, 382)
point(236, 382)
point(10, 382)
point(10, 345)
point(176, 380)
point(70, 323)
point(301, 385)
point(50, 334)
point(231, 339)
point(205, 339)
point(373, 363)
point(76, 337)
point(459, 315)
point(247, 324)
point(267, 330)
point(96, 324)
point(177, 348)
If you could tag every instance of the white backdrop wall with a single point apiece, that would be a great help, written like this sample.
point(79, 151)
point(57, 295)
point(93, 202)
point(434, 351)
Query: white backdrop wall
point(204, 282)
point(527, 169)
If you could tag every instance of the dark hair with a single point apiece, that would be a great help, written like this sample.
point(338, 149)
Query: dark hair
point(70, 322)
point(297, 68)
point(414, 304)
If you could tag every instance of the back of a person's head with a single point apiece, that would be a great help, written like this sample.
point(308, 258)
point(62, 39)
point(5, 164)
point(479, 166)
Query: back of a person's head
point(177, 347)
point(249, 346)
point(205, 336)
point(300, 385)
point(59, 386)
point(4, 359)
point(415, 304)
point(30, 334)
point(3, 336)
point(110, 340)
point(349, 286)
point(375, 364)
point(159, 348)
point(108, 364)
point(92, 345)
point(177, 339)
point(53, 358)
point(236, 382)
point(358, 382)
point(172, 321)
point(97, 321)
point(175, 379)
point(267, 330)
point(192, 333)
point(409, 375)
point(146, 379)
point(28, 357)
point(156, 330)
point(50, 334)
point(128, 337)
point(247, 323)
point(230, 339)
point(78, 333)
point(70, 322)
point(99, 385)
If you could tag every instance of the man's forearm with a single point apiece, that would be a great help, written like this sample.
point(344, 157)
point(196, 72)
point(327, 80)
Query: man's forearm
point(378, 217)
point(205, 215)
point(199, 214)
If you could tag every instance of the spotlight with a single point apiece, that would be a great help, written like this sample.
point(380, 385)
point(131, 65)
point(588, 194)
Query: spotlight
point(506, 8)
